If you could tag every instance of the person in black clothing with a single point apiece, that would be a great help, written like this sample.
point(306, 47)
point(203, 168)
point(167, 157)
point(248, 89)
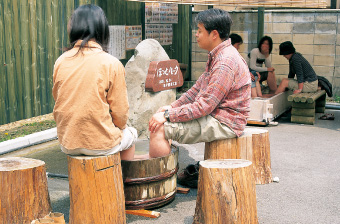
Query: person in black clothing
point(306, 78)
point(236, 40)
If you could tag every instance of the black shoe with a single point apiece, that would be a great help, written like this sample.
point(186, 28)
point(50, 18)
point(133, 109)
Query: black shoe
point(189, 176)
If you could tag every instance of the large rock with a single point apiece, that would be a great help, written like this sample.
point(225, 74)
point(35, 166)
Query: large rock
point(144, 104)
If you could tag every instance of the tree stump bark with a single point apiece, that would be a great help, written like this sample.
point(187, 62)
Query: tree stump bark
point(96, 189)
point(24, 191)
point(226, 192)
point(231, 148)
point(261, 155)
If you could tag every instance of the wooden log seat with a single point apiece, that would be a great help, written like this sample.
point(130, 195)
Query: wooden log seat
point(226, 193)
point(261, 155)
point(24, 192)
point(96, 189)
point(252, 145)
point(305, 105)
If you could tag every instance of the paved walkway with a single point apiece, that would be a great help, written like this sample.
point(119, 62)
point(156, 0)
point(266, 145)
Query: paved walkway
point(306, 158)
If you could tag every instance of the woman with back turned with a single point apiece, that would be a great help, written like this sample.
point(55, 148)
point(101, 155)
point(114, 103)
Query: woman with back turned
point(91, 104)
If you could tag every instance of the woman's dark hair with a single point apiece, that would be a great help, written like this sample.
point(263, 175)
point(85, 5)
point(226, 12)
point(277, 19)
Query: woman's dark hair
point(270, 42)
point(88, 22)
point(215, 19)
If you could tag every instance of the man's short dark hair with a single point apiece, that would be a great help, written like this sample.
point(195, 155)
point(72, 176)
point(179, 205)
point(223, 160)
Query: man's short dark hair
point(215, 19)
point(235, 38)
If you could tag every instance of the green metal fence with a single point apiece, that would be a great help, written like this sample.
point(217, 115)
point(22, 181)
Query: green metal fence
point(32, 36)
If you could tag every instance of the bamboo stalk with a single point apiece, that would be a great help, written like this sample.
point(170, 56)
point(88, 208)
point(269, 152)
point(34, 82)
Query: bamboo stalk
point(2, 70)
point(10, 61)
point(49, 45)
point(18, 73)
point(25, 59)
point(36, 104)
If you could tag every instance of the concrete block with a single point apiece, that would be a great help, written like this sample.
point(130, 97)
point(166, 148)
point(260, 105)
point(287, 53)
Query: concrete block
point(268, 28)
point(279, 60)
point(282, 27)
point(324, 39)
point(276, 49)
point(337, 72)
point(326, 71)
point(326, 17)
point(336, 86)
point(195, 75)
point(282, 17)
point(337, 61)
point(199, 56)
point(338, 38)
point(309, 58)
point(303, 17)
point(268, 17)
point(279, 38)
point(325, 28)
point(324, 60)
point(281, 70)
point(303, 28)
point(304, 49)
point(238, 18)
point(324, 50)
point(303, 38)
point(198, 66)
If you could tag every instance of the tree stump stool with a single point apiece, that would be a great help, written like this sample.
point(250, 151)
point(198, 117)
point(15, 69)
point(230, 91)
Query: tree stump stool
point(231, 148)
point(252, 145)
point(261, 155)
point(24, 191)
point(96, 189)
point(226, 192)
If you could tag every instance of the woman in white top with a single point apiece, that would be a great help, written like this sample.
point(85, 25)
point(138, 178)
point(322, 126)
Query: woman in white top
point(260, 56)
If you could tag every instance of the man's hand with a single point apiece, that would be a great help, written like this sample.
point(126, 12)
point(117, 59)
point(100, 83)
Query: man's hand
point(164, 108)
point(156, 121)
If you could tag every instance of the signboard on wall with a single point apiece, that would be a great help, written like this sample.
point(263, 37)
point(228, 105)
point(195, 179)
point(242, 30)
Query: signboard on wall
point(133, 36)
point(159, 18)
point(117, 41)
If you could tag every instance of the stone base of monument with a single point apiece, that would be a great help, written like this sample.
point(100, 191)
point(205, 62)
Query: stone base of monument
point(150, 183)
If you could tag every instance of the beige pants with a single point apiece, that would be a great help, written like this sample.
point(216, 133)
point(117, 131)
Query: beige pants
point(204, 129)
point(308, 87)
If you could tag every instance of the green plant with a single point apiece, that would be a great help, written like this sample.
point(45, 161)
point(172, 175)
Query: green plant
point(336, 99)
point(26, 129)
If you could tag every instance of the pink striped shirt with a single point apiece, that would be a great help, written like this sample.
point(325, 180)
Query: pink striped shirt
point(223, 91)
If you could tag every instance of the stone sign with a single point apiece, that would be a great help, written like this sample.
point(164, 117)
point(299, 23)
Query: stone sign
point(163, 75)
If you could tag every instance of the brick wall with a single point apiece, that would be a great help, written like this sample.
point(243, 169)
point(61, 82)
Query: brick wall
point(314, 33)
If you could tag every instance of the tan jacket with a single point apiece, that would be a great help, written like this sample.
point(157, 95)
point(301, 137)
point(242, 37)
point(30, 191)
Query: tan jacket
point(91, 105)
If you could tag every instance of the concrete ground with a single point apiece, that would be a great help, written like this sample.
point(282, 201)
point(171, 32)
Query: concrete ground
point(306, 158)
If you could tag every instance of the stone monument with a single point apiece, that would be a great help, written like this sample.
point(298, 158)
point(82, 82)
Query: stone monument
point(144, 104)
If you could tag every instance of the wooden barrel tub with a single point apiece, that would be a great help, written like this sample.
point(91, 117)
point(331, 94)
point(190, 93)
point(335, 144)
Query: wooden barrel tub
point(150, 183)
